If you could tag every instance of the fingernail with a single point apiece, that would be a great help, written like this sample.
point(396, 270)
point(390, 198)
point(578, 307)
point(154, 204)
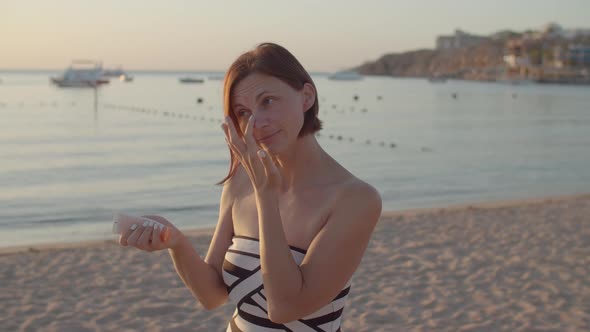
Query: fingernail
point(146, 223)
point(133, 227)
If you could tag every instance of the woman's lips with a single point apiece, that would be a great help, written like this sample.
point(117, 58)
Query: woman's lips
point(266, 138)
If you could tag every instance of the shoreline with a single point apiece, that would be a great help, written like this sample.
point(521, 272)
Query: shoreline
point(195, 232)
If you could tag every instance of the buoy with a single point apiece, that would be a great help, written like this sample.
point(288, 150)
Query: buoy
point(199, 100)
point(356, 97)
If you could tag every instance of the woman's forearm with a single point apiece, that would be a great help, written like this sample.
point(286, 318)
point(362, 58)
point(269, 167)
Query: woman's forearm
point(280, 273)
point(201, 278)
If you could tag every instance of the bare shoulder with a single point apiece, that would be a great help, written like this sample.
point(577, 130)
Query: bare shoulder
point(356, 201)
point(359, 197)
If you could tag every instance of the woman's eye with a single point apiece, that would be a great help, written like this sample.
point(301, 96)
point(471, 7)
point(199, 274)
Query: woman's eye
point(267, 100)
point(242, 113)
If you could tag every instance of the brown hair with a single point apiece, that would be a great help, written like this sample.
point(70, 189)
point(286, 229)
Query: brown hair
point(272, 60)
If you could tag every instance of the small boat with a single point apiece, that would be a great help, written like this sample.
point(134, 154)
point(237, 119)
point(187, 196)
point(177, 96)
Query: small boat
point(81, 73)
point(126, 78)
point(345, 76)
point(191, 80)
point(118, 73)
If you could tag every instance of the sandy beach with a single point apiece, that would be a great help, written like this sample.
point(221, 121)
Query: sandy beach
point(501, 266)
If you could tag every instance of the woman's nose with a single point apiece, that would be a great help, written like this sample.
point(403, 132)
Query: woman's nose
point(260, 120)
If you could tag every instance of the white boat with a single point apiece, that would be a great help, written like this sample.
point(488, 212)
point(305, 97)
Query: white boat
point(190, 80)
point(81, 73)
point(346, 76)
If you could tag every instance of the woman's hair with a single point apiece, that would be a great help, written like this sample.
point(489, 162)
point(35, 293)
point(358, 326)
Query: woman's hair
point(272, 60)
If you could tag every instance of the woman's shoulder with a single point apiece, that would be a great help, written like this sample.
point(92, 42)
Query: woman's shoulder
point(360, 190)
point(352, 186)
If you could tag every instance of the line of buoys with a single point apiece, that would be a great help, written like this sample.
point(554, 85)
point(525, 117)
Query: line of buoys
point(351, 109)
point(42, 103)
point(218, 120)
point(164, 113)
point(355, 97)
point(351, 139)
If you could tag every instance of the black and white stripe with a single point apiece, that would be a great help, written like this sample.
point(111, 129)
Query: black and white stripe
point(242, 275)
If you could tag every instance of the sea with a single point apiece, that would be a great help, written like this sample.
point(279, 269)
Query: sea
point(72, 157)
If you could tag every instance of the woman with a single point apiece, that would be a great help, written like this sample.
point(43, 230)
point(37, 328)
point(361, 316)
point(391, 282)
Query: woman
point(293, 223)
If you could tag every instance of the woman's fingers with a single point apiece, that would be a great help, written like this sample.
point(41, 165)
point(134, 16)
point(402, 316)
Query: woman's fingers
point(249, 136)
point(144, 239)
point(272, 173)
point(123, 239)
point(153, 234)
point(135, 234)
point(233, 137)
point(156, 242)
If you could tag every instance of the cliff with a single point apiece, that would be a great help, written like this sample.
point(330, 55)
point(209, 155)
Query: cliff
point(476, 62)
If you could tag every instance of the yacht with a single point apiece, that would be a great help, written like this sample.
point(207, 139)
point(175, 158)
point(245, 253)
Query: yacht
point(81, 73)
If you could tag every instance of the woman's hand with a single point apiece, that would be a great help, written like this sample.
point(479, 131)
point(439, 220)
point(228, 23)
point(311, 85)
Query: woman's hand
point(152, 238)
point(257, 162)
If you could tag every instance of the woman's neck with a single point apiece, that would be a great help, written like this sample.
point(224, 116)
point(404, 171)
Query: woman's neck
point(302, 163)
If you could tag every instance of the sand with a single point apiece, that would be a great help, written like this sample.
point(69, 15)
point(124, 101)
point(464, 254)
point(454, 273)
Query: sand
point(508, 266)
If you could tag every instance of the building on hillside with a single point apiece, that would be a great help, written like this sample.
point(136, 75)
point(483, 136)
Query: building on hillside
point(460, 39)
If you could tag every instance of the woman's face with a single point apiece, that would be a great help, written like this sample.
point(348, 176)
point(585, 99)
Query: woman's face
point(277, 109)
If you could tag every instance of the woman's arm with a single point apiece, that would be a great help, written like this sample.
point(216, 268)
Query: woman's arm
point(293, 291)
point(204, 277)
point(201, 278)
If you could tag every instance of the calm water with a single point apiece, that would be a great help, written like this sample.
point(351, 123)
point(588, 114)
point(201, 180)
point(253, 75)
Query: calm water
point(65, 168)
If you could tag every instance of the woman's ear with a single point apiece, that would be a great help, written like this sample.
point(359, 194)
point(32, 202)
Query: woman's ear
point(308, 96)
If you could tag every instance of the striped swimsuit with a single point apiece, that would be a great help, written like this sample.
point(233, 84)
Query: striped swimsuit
point(243, 277)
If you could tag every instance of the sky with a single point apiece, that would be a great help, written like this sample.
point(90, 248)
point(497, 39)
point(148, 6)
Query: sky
point(325, 35)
